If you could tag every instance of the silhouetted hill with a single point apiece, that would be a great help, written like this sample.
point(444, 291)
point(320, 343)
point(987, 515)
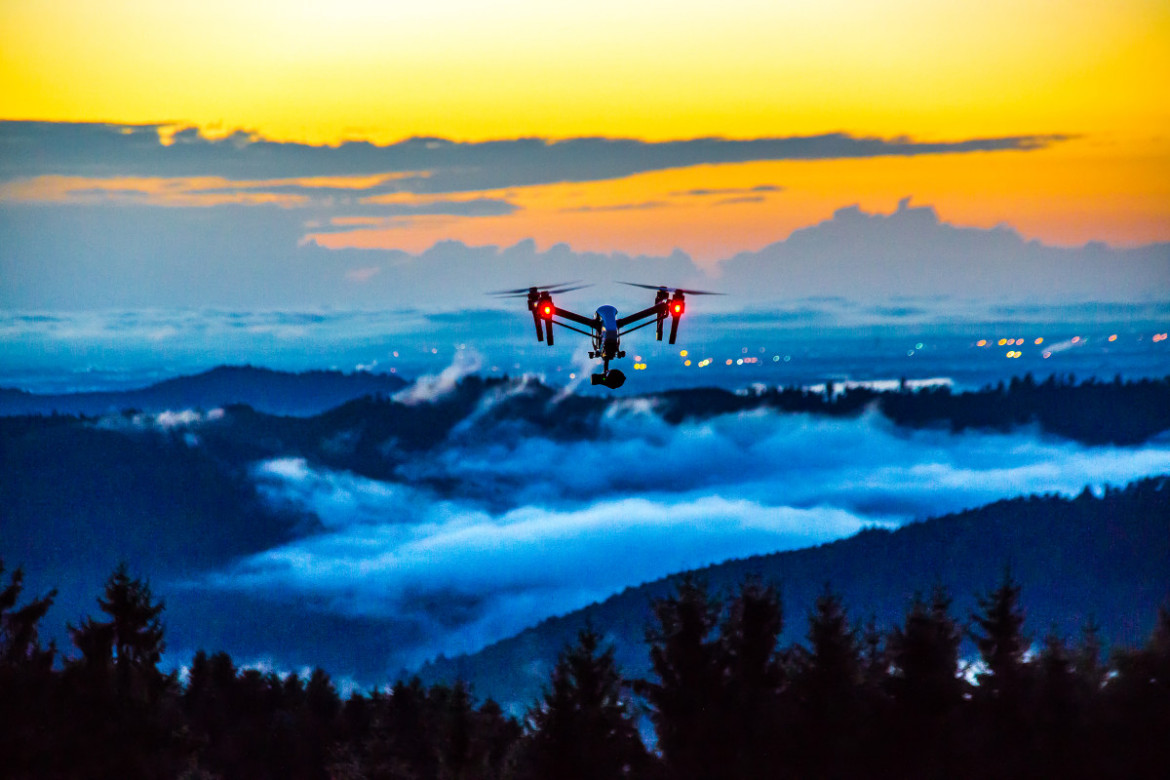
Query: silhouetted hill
point(177, 495)
point(1090, 412)
point(1105, 558)
point(274, 392)
point(375, 435)
point(76, 498)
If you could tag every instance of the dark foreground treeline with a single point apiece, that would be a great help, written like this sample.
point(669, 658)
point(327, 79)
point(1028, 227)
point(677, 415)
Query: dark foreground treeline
point(724, 702)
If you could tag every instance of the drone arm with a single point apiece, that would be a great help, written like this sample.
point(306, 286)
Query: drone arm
point(570, 327)
point(639, 327)
point(657, 310)
point(574, 317)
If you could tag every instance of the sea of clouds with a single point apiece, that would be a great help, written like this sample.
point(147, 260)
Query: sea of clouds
point(502, 526)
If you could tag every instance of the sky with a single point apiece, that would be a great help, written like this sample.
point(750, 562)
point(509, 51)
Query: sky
point(263, 154)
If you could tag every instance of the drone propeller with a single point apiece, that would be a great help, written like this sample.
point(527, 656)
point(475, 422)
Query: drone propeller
point(664, 288)
point(552, 289)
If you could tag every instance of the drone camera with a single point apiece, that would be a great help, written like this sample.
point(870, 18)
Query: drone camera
point(612, 379)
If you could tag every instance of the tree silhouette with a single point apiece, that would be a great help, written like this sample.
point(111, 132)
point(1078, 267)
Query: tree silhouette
point(753, 678)
point(827, 684)
point(26, 679)
point(584, 726)
point(19, 646)
point(998, 634)
point(1140, 701)
point(685, 702)
point(925, 685)
point(132, 639)
point(1002, 685)
point(128, 715)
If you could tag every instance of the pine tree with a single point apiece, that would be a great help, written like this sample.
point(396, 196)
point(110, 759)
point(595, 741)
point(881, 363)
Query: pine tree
point(132, 639)
point(827, 689)
point(686, 701)
point(924, 653)
point(584, 726)
point(26, 681)
point(128, 711)
point(19, 647)
point(1140, 699)
point(925, 686)
point(1059, 710)
point(753, 679)
point(1000, 640)
point(1002, 686)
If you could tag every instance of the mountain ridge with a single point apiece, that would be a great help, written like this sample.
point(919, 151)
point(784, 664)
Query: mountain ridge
point(264, 389)
point(1111, 565)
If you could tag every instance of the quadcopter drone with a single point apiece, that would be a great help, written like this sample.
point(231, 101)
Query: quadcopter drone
point(605, 327)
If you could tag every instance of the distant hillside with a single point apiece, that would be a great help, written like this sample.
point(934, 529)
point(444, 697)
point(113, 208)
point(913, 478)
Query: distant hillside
point(1104, 558)
point(75, 499)
point(177, 496)
point(1085, 412)
point(274, 392)
point(354, 435)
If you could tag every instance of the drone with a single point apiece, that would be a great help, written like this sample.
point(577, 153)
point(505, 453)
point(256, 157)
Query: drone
point(605, 327)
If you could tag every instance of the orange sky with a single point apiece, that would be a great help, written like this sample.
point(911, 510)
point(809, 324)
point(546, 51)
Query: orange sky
point(326, 72)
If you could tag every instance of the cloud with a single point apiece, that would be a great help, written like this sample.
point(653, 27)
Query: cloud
point(464, 576)
point(429, 387)
point(384, 213)
point(741, 199)
point(361, 275)
point(501, 526)
point(911, 253)
point(257, 257)
point(643, 206)
point(166, 421)
point(423, 165)
point(704, 192)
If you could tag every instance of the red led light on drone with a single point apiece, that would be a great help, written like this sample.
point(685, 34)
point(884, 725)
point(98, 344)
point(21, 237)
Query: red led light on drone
point(678, 308)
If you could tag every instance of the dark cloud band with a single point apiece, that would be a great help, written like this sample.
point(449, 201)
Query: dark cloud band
point(425, 165)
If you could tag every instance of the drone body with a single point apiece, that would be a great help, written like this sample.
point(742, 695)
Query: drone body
point(605, 327)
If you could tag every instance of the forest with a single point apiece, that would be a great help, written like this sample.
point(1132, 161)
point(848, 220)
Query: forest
point(724, 700)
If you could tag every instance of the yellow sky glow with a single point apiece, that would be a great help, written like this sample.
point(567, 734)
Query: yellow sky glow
point(325, 72)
